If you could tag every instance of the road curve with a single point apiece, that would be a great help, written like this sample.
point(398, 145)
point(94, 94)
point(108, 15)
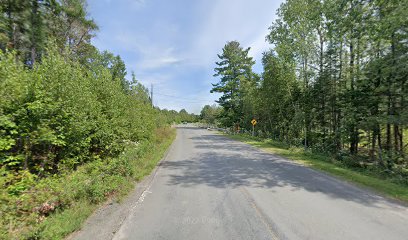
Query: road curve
point(211, 187)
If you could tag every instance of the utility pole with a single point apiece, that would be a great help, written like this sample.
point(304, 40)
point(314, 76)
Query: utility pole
point(151, 94)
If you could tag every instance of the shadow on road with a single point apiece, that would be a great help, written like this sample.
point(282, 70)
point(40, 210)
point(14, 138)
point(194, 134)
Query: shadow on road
point(188, 127)
point(224, 163)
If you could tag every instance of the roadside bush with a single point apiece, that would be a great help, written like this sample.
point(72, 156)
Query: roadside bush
point(59, 115)
point(29, 214)
point(68, 134)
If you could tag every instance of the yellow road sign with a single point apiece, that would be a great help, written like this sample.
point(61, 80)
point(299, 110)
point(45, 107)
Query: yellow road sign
point(253, 122)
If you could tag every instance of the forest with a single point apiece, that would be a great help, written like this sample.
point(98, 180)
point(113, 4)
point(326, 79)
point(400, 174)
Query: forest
point(76, 130)
point(334, 81)
point(66, 106)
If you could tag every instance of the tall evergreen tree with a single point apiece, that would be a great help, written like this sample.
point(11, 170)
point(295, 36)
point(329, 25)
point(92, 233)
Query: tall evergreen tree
point(234, 69)
point(335, 80)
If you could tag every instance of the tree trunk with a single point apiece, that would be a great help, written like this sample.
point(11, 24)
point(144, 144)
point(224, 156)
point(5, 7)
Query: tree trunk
point(390, 101)
point(380, 158)
point(373, 140)
point(352, 127)
point(34, 28)
point(396, 138)
point(307, 113)
point(338, 111)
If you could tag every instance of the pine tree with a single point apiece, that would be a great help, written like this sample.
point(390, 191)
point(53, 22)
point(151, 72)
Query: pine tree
point(234, 69)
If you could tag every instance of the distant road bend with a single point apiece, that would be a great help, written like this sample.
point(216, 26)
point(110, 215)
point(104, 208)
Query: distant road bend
point(211, 187)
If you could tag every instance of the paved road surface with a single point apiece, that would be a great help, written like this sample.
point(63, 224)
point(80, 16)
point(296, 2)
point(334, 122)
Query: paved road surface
point(210, 187)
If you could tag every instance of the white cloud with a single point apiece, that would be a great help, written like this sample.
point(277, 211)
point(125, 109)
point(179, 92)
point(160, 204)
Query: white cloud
point(177, 55)
point(152, 56)
point(159, 61)
point(241, 20)
point(222, 21)
point(159, 80)
point(130, 3)
point(259, 45)
point(159, 58)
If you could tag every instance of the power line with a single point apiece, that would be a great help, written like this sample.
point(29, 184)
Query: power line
point(183, 98)
point(184, 101)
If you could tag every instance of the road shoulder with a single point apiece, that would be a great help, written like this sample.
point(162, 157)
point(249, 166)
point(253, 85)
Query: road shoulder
point(393, 192)
point(107, 219)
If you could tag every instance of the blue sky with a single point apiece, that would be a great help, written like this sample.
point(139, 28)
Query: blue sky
point(173, 44)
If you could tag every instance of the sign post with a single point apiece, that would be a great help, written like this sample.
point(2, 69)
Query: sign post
point(253, 126)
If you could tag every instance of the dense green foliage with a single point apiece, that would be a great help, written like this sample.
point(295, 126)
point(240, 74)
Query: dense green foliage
point(172, 116)
point(28, 25)
point(60, 114)
point(236, 75)
point(73, 129)
point(209, 114)
point(335, 81)
point(57, 205)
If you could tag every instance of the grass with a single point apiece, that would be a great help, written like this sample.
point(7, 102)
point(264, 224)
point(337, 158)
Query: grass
point(65, 222)
point(327, 164)
point(75, 195)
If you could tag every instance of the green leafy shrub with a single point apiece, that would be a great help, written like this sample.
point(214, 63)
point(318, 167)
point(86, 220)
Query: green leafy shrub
point(30, 211)
point(69, 133)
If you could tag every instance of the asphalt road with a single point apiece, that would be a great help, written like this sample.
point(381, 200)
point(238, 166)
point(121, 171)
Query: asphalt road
point(210, 187)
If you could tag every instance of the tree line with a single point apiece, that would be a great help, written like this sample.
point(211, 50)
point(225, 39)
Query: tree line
point(334, 80)
point(62, 101)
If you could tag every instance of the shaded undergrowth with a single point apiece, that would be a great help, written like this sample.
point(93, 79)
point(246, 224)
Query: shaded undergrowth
point(58, 205)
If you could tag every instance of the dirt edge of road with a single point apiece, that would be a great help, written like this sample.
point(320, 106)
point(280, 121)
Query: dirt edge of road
point(107, 219)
